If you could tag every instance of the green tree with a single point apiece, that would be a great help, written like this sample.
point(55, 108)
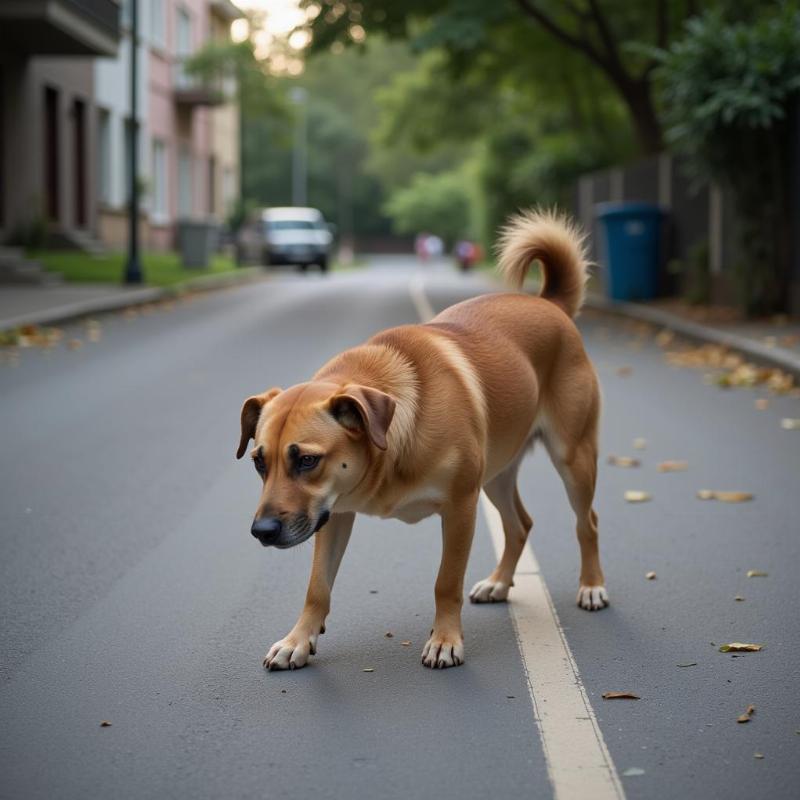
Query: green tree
point(728, 89)
point(599, 33)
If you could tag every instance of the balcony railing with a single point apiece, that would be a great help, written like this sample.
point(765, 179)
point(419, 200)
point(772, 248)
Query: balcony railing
point(193, 90)
point(60, 27)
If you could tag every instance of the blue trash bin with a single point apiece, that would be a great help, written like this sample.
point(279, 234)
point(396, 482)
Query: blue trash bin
point(632, 242)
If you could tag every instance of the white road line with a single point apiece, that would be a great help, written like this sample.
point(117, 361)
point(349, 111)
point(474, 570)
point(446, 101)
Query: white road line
point(578, 762)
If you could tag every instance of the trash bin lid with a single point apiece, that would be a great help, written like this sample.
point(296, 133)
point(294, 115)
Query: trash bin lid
point(605, 210)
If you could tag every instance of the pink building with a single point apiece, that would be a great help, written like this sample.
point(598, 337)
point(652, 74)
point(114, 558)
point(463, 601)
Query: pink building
point(194, 138)
point(189, 131)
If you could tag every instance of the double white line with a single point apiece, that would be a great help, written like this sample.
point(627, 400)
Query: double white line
point(578, 761)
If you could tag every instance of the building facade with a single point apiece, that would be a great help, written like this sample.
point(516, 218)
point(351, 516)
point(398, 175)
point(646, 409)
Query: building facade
point(65, 126)
point(47, 112)
point(188, 131)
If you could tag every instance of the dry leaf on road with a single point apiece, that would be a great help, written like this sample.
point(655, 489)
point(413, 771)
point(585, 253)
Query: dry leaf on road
point(635, 496)
point(762, 404)
point(789, 424)
point(405, 644)
point(740, 647)
point(105, 724)
point(624, 461)
point(673, 466)
point(748, 714)
point(651, 576)
point(620, 696)
point(725, 497)
point(756, 573)
point(639, 443)
point(368, 669)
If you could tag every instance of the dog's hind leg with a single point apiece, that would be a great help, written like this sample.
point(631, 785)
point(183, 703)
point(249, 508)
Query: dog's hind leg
point(517, 524)
point(577, 466)
point(330, 542)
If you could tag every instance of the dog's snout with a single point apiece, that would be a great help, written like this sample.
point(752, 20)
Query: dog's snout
point(266, 530)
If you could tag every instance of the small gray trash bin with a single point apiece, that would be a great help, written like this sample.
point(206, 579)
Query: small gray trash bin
point(197, 240)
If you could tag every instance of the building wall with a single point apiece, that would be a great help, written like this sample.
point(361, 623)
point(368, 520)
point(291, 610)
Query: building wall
point(225, 142)
point(23, 87)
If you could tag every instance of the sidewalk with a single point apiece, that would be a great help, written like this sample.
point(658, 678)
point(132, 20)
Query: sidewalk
point(773, 343)
point(47, 305)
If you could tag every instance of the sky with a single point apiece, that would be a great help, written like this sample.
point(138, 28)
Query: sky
point(282, 16)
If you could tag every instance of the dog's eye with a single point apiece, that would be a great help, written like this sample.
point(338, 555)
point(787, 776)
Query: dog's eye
point(306, 463)
point(258, 463)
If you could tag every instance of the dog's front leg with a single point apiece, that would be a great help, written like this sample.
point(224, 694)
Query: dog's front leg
point(330, 542)
point(445, 648)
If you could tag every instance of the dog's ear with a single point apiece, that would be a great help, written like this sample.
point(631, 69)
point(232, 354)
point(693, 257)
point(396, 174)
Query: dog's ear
point(251, 410)
point(362, 408)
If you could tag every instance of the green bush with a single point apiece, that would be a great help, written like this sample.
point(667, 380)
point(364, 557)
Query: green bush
point(727, 91)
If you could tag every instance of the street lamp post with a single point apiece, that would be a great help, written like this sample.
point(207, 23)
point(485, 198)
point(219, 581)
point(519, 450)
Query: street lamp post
point(298, 96)
point(133, 267)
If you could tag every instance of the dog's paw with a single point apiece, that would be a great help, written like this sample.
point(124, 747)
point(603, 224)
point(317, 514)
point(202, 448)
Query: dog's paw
point(592, 598)
point(489, 591)
point(441, 652)
point(291, 652)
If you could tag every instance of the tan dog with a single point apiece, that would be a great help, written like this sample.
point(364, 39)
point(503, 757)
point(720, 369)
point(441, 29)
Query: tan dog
point(420, 418)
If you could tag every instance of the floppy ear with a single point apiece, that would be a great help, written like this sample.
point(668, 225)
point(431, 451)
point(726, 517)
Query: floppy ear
point(366, 409)
point(251, 410)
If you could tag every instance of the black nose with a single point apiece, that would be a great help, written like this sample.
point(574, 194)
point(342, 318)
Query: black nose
point(266, 530)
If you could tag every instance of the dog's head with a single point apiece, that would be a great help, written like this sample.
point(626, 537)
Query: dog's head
point(313, 444)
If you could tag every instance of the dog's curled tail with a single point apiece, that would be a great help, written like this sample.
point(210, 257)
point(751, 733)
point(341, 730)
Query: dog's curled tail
point(555, 241)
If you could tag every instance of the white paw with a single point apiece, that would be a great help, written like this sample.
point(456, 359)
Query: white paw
point(442, 652)
point(291, 652)
point(593, 598)
point(489, 591)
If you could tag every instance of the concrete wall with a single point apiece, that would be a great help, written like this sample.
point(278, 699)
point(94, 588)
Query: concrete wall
point(23, 87)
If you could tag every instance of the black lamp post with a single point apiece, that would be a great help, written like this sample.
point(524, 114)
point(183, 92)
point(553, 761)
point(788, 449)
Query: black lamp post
point(133, 267)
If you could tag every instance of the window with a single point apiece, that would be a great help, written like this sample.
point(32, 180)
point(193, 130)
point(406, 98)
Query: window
point(184, 182)
point(104, 156)
point(159, 173)
point(183, 44)
point(158, 32)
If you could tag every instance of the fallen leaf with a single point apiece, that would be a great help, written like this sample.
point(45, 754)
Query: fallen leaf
point(624, 461)
point(639, 443)
point(673, 466)
point(368, 669)
point(635, 496)
point(105, 724)
point(724, 497)
point(688, 664)
point(632, 772)
point(651, 576)
point(762, 403)
point(758, 755)
point(405, 644)
point(665, 338)
point(620, 696)
point(388, 635)
point(74, 344)
point(756, 573)
point(623, 372)
point(740, 647)
point(789, 424)
point(739, 598)
point(733, 497)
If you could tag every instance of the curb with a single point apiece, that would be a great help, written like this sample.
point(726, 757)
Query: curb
point(754, 350)
point(129, 298)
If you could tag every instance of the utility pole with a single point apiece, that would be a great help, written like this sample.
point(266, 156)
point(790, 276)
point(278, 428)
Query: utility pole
point(299, 96)
point(133, 267)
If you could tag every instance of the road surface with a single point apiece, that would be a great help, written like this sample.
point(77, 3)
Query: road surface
point(132, 591)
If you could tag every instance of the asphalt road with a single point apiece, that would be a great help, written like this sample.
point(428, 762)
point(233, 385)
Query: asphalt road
point(131, 590)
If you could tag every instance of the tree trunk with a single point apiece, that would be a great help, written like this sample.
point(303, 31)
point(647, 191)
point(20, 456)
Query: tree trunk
point(638, 97)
